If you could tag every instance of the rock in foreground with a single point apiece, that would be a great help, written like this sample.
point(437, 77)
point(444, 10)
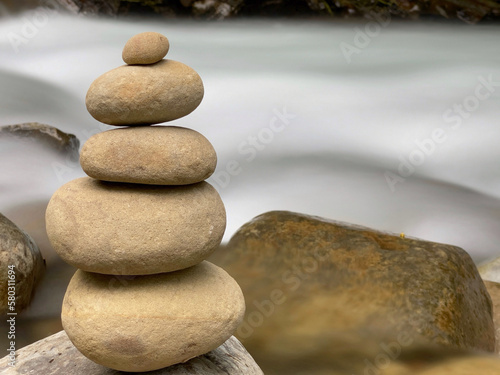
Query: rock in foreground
point(56, 355)
point(134, 229)
point(18, 249)
point(494, 291)
point(145, 94)
point(316, 290)
point(145, 323)
point(145, 48)
point(490, 270)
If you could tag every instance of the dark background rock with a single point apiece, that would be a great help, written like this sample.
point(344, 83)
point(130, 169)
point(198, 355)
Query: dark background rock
point(47, 135)
point(17, 248)
point(56, 355)
point(317, 291)
point(470, 11)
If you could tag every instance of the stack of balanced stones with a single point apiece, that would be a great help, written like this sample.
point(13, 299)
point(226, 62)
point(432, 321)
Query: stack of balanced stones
point(140, 227)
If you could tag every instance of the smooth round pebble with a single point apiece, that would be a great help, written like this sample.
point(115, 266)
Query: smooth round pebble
point(144, 323)
point(133, 229)
point(145, 48)
point(159, 155)
point(145, 94)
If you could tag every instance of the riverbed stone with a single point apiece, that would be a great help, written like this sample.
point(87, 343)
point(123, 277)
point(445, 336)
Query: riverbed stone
point(145, 48)
point(56, 355)
point(158, 155)
point(145, 94)
point(134, 229)
point(44, 134)
point(20, 254)
point(313, 286)
point(144, 323)
point(494, 292)
point(490, 270)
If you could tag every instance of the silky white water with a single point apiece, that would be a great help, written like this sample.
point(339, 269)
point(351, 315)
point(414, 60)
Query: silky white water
point(297, 124)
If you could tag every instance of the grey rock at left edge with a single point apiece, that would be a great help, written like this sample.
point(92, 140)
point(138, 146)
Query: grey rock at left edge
point(45, 134)
point(17, 248)
point(56, 355)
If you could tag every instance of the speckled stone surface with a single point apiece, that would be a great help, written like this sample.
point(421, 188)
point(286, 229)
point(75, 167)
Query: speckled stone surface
point(313, 286)
point(157, 155)
point(145, 323)
point(134, 229)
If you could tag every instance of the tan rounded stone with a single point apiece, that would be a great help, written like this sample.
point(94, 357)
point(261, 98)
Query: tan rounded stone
point(144, 323)
point(159, 155)
point(465, 366)
point(145, 94)
point(133, 229)
point(145, 48)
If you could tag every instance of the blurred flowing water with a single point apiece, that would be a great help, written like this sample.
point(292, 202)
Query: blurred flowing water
point(298, 124)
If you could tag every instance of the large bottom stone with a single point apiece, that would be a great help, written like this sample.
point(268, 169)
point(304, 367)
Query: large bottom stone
point(134, 229)
point(143, 323)
point(318, 290)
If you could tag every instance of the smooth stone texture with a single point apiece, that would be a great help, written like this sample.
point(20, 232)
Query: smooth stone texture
point(159, 155)
point(56, 355)
point(145, 94)
point(473, 365)
point(316, 285)
point(494, 292)
point(132, 229)
point(144, 323)
point(46, 135)
point(17, 248)
point(490, 270)
point(145, 48)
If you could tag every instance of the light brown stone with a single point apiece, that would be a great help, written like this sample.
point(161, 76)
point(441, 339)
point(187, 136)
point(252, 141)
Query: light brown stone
point(494, 292)
point(132, 229)
point(145, 48)
point(145, 94)
point(159, 155)
point(144, 323)
point(318, 290)
point(56, 355)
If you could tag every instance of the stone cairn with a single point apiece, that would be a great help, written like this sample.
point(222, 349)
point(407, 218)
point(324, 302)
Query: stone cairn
point(140, 227)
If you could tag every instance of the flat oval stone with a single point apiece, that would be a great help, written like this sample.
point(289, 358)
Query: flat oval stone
point(159, 155)
point(145, 48)
point(145, 323)
point(145, 94)
point(134, 229)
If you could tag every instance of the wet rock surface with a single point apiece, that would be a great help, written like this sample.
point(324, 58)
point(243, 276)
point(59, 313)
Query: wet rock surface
point(313, 286)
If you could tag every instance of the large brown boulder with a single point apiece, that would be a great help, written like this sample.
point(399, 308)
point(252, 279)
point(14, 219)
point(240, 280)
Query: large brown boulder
point(317, 291)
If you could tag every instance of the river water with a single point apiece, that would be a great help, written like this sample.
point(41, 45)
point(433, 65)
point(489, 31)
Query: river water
point(392, 125)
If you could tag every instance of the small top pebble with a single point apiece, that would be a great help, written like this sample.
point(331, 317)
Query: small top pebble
point(145, 48)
